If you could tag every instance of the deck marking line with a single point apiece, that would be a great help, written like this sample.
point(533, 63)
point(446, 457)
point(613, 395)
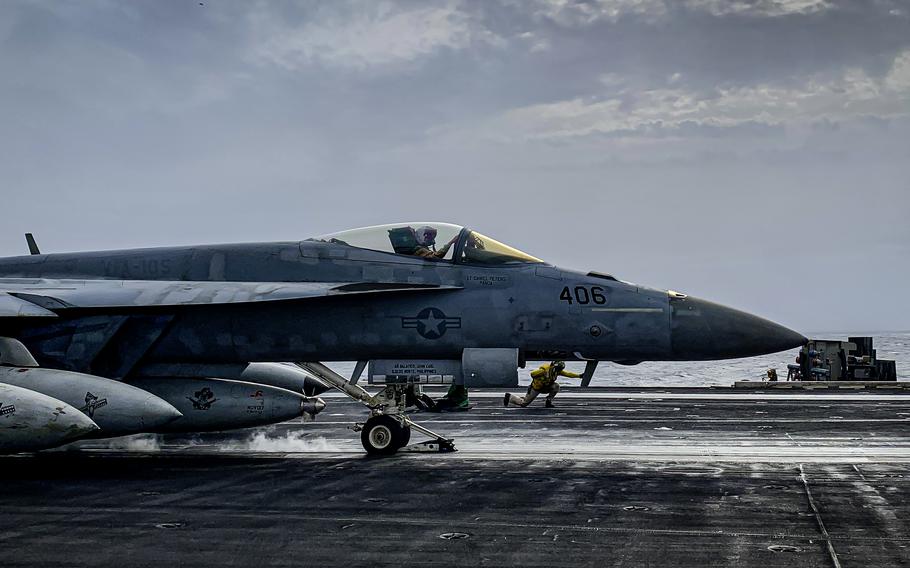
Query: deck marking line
point(818, 519)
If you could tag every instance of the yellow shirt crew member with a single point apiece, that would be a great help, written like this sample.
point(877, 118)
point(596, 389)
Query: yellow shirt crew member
point(543, 380)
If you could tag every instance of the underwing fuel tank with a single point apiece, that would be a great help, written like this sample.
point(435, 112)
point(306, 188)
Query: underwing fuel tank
point(284, 375)
point(222, 404)
point(117, 408)
point(31, 421)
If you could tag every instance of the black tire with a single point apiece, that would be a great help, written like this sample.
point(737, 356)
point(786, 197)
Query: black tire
point(382, 435)
point(405, 436)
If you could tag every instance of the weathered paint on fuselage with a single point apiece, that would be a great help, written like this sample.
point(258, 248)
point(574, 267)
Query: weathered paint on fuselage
point(542, 310)
point(499, 306)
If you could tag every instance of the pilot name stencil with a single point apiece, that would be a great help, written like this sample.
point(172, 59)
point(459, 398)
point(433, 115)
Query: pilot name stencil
point(7, 410)
point(487, 280)
point(204, 400)
point(92, 403)
point(431, 323)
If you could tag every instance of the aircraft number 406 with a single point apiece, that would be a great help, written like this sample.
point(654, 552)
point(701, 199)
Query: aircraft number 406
point(584, 295)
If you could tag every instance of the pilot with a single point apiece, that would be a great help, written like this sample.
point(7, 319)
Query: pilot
point(426, 243)
point(543, 380)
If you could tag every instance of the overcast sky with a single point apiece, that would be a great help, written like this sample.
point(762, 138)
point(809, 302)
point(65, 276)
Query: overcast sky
point(756, 153)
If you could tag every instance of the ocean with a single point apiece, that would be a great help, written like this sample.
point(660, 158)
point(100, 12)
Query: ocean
point(888, 345)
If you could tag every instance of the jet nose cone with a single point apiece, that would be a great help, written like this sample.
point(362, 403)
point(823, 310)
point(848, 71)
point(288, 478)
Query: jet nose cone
point(702, 330)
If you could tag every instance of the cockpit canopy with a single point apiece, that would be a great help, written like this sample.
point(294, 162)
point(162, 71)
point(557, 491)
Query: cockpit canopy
point(431, 241)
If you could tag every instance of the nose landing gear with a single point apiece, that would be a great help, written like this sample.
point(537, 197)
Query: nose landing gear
point(383, 434)
point(388, 429)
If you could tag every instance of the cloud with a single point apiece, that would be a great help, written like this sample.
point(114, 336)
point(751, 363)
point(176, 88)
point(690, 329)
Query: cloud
point(535, 42)
point(573, 13)
point(578, 13)
point(852, 95)
point(359, 36)
point(898, 78)
point(760, 8)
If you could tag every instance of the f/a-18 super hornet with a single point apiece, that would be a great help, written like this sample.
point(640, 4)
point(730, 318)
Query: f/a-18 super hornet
point(98, 344)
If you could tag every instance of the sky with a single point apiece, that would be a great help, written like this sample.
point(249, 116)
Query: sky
point(756, 153)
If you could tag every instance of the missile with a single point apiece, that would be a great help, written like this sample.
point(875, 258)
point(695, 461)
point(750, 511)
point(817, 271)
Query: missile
point(284, 375)
point(117, 408)
point(223, 404)
point(31, 421)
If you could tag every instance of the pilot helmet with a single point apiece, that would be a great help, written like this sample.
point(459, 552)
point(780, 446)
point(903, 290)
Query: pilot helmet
point(559, 365)
point(426, 236)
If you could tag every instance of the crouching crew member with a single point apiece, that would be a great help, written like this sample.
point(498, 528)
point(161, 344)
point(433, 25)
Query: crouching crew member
point(543, 380)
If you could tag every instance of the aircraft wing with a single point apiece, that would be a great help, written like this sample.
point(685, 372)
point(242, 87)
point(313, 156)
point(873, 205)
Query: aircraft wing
point(46, 297)
point(11, 306)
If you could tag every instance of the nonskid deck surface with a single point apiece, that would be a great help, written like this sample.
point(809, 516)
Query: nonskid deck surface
point(630, 478)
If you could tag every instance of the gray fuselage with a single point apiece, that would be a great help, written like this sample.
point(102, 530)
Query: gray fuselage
point(544, 311)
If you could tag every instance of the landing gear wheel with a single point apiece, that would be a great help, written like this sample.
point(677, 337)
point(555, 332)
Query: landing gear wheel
point(405, 436)
point(383, 435)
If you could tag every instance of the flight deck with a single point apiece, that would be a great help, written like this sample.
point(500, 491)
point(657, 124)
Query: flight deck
point(610, 477)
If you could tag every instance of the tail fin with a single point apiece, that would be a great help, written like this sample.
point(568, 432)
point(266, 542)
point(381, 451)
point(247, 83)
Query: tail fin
point(32, 245)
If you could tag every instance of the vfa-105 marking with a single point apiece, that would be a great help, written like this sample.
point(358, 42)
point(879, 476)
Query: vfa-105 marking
point(390, 293)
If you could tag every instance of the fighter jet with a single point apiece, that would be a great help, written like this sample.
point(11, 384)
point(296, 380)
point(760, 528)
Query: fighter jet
point(188, 325)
